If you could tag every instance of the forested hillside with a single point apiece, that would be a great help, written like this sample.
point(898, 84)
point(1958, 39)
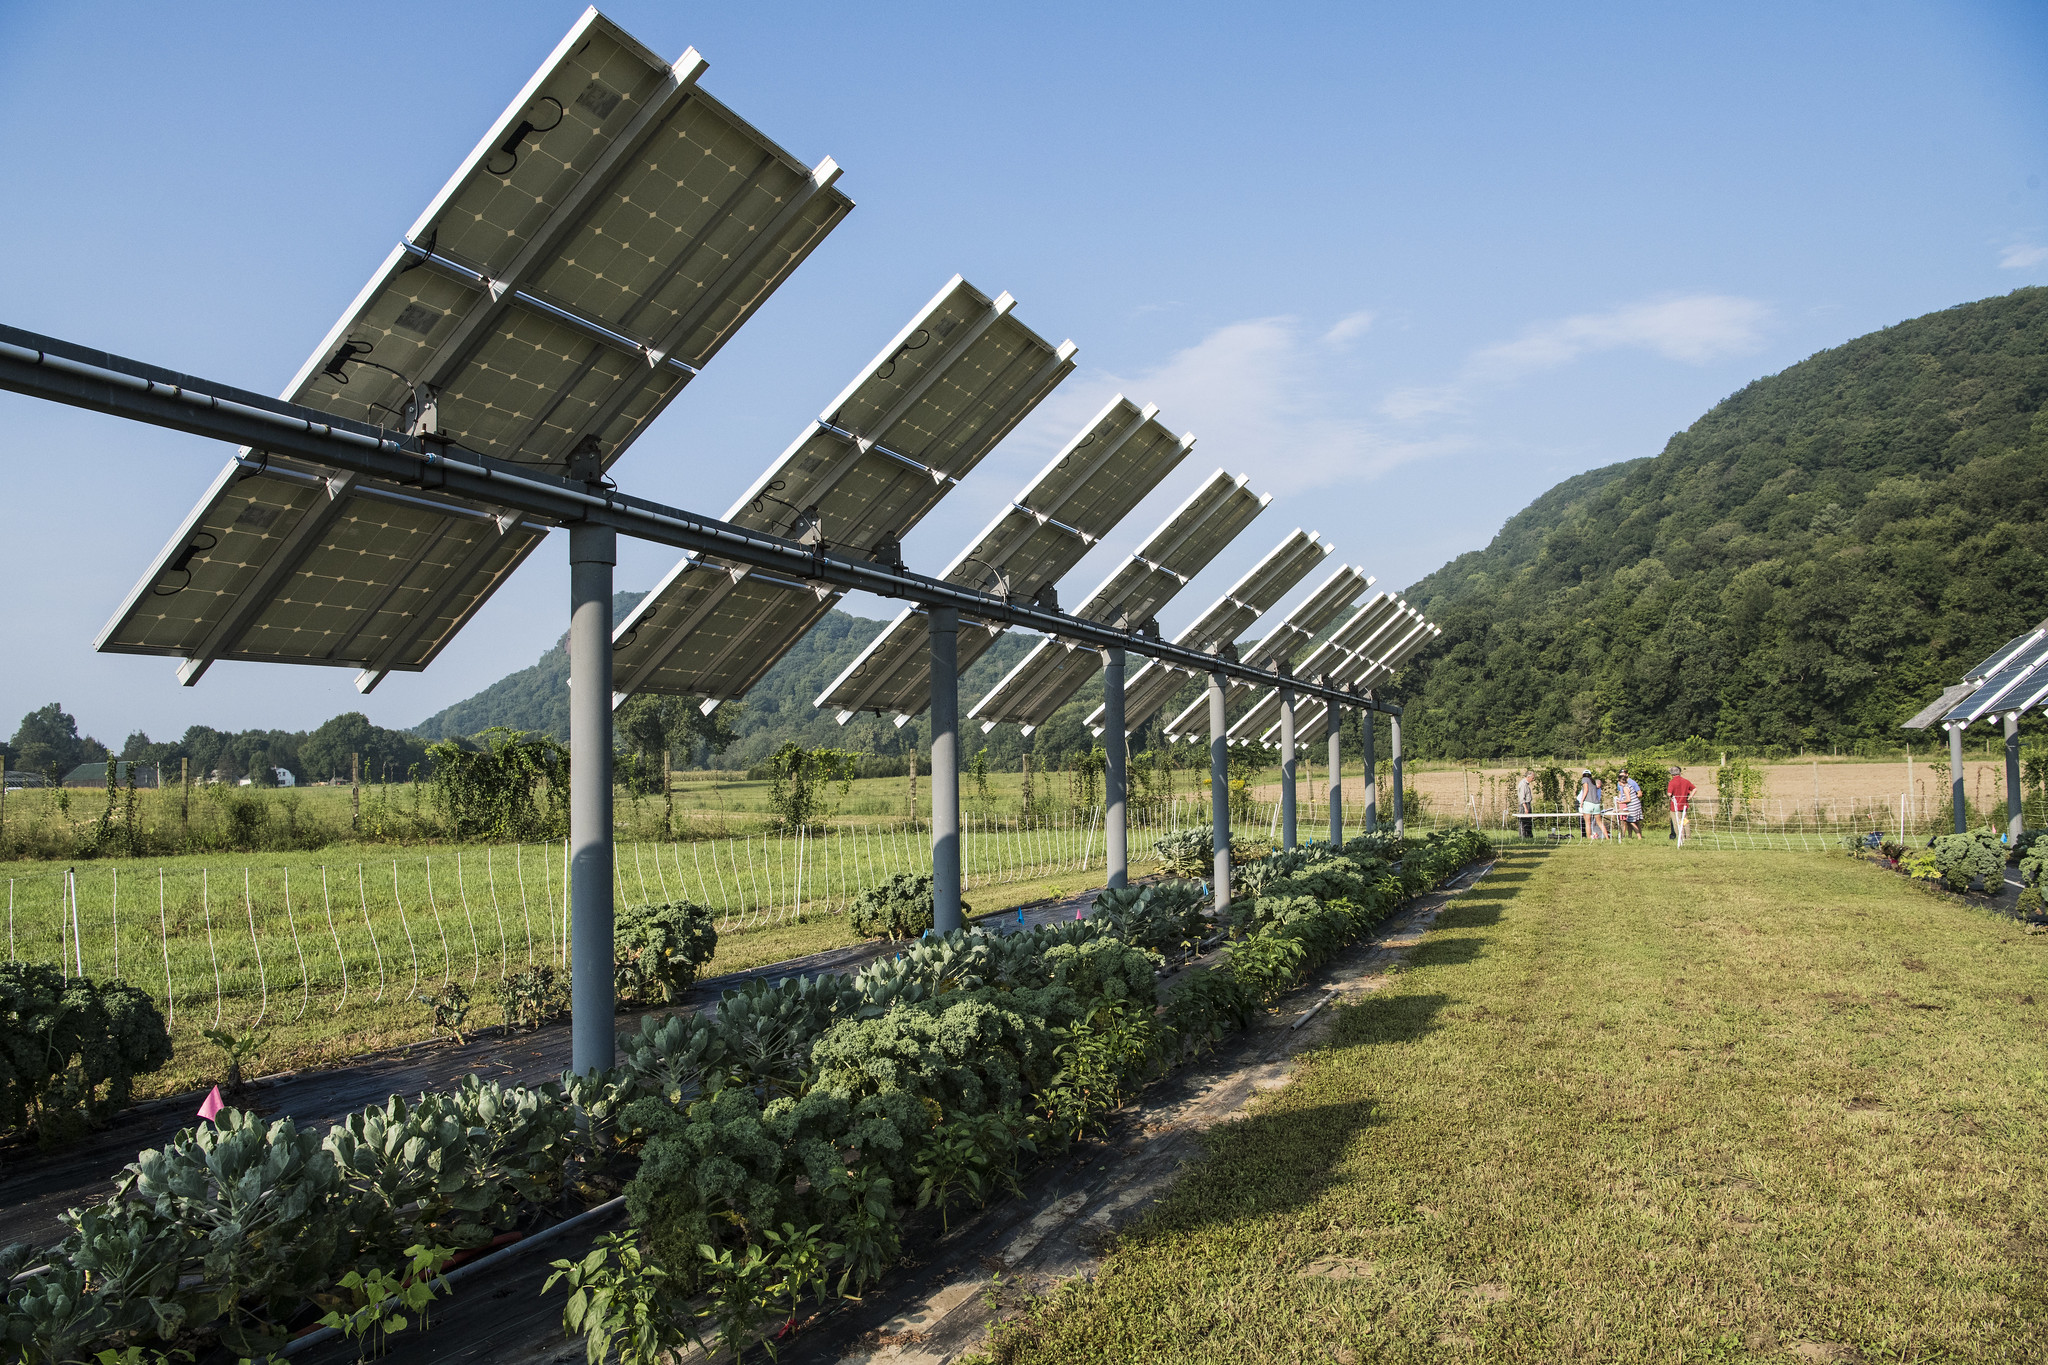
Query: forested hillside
point(1805, 566)
point(778, 709)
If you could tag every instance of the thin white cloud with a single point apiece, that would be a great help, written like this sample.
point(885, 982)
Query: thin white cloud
point(1355, 325)
point(1264, 396)
point(2021, 256)
point(1695, 329)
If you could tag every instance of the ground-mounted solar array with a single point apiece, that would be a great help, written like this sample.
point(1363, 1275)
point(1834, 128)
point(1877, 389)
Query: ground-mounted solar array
point(1225, 619)
point(1092, 484)
point(1131, 596)
point(917, 420)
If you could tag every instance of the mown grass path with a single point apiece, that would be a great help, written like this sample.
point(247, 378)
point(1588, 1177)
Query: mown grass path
point(1659, 1106)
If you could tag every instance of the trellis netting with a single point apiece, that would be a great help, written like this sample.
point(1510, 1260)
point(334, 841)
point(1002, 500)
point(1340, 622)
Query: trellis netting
point(257, 943)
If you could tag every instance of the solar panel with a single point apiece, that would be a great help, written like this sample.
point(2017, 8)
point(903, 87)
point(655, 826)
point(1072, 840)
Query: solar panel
point(1095, 480)
point(2005, 653)
point(1416, 635)
point(1995, 689)
point(606, 237)
point(1310, 617)
point(2031, 693)
point(1938, 709)
point(1335, 657)
point(933, 402)
point(1133, 593)
point(1390, 663)
point(1314, 615)
point(1228, 617)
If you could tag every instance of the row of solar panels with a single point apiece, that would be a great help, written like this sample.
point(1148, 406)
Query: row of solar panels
point(591, 255)
point(2013, 680)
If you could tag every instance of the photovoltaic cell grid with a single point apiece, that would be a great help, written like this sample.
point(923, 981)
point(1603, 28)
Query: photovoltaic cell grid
point(917, 420)
point(1133, 593)
point(1090, 486)
point(1312, 717)
point(601, 243)
point(1228, 617)
point(2009, 676)
point(1310, 617)
point(1335, 658)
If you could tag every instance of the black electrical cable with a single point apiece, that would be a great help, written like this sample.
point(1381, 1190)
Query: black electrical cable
point(510, 146)
point(888, 367)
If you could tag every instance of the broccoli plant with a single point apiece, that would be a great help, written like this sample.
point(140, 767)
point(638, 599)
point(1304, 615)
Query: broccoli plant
point(901, 907)
point(657, 949)
point(70, 1050)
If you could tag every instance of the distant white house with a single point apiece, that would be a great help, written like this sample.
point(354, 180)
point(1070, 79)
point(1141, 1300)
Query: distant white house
point(284, 779)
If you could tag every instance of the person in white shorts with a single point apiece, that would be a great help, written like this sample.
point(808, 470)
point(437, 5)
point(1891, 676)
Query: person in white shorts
point(1590, 805)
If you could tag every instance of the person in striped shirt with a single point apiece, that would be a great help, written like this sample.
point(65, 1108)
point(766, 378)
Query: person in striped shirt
point(1628, 799)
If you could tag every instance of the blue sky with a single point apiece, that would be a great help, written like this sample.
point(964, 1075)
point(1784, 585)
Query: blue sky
point(1406, 265)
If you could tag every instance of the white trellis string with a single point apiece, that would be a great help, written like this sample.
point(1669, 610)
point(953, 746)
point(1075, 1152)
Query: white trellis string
point(519, 867)
point(548, 881)
point(327, 900)
point(262, 979)
point(640, 871)
point(476, 954)
point(206, 909)
point(363, 899)
point(406, 924)
point(491, 880)
point(661, 876)
point(305, 981)
point(10, 920)
point(447, 958)
point(721, 880)
point(163, 925)
point(114, 919)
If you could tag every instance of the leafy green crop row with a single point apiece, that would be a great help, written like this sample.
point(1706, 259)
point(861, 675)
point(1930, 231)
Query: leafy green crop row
point(775, 1147)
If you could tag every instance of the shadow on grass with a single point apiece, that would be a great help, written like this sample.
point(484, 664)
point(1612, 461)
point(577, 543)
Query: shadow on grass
point(1283, 1158)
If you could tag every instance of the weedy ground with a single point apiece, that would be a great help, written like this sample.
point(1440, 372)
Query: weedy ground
point(1628, 1105)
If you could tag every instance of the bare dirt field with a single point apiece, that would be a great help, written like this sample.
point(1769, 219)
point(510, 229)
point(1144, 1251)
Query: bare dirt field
point(1840, 787)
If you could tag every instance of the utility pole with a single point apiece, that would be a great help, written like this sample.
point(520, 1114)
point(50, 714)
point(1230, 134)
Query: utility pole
point(355, 793)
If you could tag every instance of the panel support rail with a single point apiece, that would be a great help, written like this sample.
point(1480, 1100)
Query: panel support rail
point(62, 372)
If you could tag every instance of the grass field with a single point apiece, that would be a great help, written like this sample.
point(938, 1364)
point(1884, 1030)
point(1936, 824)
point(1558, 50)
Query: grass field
point(1628, 1105)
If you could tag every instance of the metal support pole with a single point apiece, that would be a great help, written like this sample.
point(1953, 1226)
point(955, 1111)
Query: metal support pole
point(1287, 758)
point(1336, 733)
point(943, 625)
point(1400, 823)
point(1372, 773)
point(1958, 804)
point(1115, 779)
point(2014, 821)
point(593, 550)
point(1219, 792)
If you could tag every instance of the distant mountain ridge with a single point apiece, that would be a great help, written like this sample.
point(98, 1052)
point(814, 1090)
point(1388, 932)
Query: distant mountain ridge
point(778, 709)
point(1803, 566)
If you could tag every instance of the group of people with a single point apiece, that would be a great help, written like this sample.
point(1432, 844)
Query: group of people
point(1594, 811)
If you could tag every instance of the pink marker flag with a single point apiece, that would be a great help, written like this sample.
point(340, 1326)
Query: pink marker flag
point(211, 1106)
point(1077, 912)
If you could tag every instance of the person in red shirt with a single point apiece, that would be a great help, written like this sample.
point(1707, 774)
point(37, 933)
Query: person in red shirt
point(1680, 791)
